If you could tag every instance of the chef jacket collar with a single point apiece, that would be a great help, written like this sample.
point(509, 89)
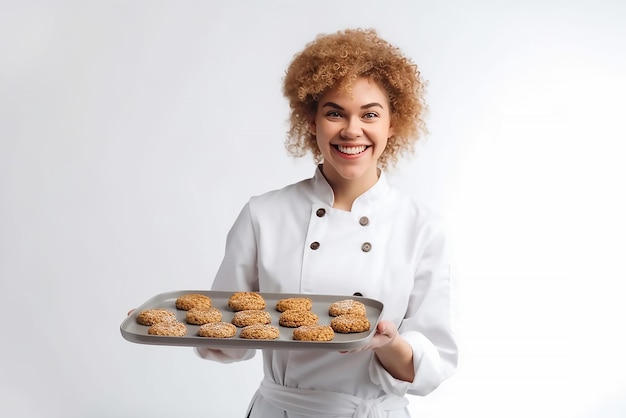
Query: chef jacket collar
point(324, 192)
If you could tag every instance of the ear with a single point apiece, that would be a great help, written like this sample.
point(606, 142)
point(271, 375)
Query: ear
point(312, 125)
point(391, 132)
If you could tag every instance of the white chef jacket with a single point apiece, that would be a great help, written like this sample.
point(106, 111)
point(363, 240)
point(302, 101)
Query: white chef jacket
point(387, 248)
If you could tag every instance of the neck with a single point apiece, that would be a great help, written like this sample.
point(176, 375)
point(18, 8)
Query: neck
point(346, 191)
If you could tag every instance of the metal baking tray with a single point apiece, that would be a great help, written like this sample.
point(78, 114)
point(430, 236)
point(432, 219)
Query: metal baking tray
point(137, 333)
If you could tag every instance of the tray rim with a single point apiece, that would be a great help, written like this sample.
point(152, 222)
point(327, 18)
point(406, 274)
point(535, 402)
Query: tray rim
point(192, 340)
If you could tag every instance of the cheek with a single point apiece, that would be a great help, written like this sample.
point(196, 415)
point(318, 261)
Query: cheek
point(382, 146)
point(323, 130)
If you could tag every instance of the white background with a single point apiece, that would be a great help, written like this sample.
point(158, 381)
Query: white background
point(132, 132)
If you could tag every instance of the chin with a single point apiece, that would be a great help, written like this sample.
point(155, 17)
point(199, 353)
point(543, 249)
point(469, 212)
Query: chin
point(352, 175)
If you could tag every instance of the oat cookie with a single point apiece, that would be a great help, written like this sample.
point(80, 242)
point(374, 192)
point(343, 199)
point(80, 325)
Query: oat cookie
point(313, 333)
point(250, 317)
point(217, 330)
point(197, 316)
point(193, 300)
point(241, 301)
point(260, 332)
point(303, 304)
point(154, 316)
point(169, 328)
point(348, 306)
point(294, 318)
point(348, 323)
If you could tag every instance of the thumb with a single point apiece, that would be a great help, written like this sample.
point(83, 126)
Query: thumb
point(387, 329)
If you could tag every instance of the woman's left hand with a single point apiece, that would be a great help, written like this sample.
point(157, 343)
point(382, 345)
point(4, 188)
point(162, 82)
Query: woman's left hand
point(386, 332)
point(392, 351)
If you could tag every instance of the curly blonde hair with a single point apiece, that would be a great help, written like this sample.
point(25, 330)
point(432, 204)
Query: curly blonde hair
point(336, 60)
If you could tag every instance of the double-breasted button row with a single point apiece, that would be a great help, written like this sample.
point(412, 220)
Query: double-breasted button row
point(363, 221)
point(366, 247)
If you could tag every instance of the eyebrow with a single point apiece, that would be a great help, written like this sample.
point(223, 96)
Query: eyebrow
point(367, 106)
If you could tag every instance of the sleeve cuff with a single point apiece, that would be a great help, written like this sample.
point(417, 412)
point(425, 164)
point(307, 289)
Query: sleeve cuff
point(427, 364)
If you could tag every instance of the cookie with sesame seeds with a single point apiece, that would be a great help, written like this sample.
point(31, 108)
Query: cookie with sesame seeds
point(154, 316)
point(197, 316)
point(217, 330)
point(314, 333)
point(193, 300)
point(241, 301)
point(260, 332)
point(299, 303)
point(347, 306)
point(168, 328)
point(296, 318)
point(350, 323)
point(251, 316)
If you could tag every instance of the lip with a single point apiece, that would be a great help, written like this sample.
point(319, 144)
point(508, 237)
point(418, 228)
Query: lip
point(335, 147)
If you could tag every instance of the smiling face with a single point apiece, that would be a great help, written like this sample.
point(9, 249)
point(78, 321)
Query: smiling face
point(351, 129)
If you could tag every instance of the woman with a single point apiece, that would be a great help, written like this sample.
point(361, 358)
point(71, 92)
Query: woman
point(357, 106)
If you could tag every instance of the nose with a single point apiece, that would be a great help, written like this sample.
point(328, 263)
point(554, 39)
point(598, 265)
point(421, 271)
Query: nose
point(352, 129)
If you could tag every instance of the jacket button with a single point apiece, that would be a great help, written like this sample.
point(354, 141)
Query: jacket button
point(357, 294)
point(366, 247)
point(315, 245)
point(320, 212)
point(364, 221)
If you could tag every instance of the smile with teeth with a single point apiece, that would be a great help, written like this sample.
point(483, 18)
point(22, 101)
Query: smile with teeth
point(351, 150)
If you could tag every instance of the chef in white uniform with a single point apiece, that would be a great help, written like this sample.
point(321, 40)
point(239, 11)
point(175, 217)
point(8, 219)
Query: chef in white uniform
point(347, 231)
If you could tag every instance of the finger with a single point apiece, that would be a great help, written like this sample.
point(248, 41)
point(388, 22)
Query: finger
point(387, 329)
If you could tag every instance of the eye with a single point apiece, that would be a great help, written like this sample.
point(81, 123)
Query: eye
point(333, 114)
point(370, 115)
